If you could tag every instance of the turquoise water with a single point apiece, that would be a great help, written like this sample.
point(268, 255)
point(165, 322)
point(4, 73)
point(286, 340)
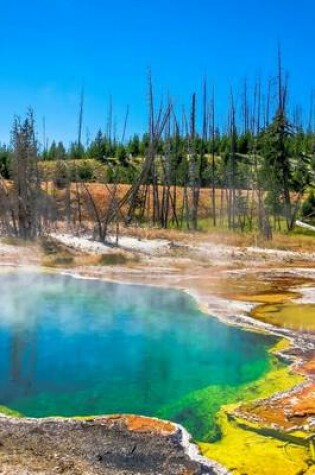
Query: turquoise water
point(82, 347)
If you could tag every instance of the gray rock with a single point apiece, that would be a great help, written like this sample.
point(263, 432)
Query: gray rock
point(103, 445)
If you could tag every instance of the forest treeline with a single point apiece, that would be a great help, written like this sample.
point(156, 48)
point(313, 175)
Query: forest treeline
point(255, 173)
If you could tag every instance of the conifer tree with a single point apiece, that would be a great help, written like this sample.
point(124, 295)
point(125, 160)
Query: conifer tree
point(25, 175)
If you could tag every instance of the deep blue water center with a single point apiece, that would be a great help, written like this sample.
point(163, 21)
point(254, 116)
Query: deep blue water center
point(81, 347)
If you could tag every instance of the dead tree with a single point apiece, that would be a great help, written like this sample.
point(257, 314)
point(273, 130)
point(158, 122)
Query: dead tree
point(77, 217)
point(213, 158)
point(139, 192)
point(194, 178)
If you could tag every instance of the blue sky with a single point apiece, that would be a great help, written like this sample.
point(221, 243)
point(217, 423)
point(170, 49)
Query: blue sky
point(48, 48)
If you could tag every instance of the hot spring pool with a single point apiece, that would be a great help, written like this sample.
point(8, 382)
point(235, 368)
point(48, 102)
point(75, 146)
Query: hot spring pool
point(84, 347)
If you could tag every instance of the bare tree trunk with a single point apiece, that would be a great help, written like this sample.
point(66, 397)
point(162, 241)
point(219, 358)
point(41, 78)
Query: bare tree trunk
point(213, 160)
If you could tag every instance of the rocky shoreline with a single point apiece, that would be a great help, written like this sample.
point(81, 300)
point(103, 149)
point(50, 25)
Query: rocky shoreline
point(113, 445)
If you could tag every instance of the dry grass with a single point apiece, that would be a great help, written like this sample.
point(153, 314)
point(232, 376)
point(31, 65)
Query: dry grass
point(294, 242)
point(300, 240)
point(16, 241)
point(118, 258)
point(55, 254)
